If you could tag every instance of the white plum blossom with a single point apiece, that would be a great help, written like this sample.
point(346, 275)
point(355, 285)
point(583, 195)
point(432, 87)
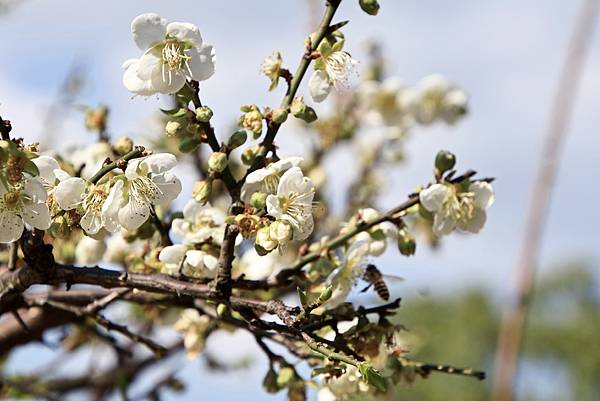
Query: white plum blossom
point(294, 202)
point(147, 182)
point(452, 209)
point(173, 52)
point(192, 262)
point(22, 203)
point(345, 276)
point(267, 178)
point(89, 251)
point(338, 66)
point(118, 248)
point(194, 327)
point(75, 193)
point(200, 223)
point(384, 103)
point(435, 98)
point(375, 239)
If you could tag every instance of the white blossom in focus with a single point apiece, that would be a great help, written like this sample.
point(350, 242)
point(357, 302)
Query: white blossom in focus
point(463, 210)
point(194, 328)
point(294, 202)
point(89, 251)
point(345, 276)
point(194, 263)
point(20, 204)
point(173, 52)
point(147, 182)
point(267, 178)
point(338, 66)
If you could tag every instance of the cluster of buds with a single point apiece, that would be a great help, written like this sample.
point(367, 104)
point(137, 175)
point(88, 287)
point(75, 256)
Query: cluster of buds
point(252, 120)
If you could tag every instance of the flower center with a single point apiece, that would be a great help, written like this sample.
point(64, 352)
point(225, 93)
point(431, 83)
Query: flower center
point(297, 206)
point(339, 66)
point(144, 190)
point(11, 200)
point(175, 60)
point(94, 199)
point(459, 207)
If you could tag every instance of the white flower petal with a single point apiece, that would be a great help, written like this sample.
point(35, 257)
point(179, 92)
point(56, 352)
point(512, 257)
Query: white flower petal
point(319, 86)
point(35, 190)
point(172, 254)
point(110, 208)
point(46, 165)
point(148, 29)
point(170, 187)
point(195, 258)
point(69, 193)
point(11, 227)
point(273, 206)
point(433, 198)
point(159, 163)
point(89, 251)
point(476, 223)
point(134, 214)
point(37, 215)
point(483, 194)
point(442, 226)
point(91, 222)
point(132, 81)
point(131, 171)
point(202, 62)
point(185, 32)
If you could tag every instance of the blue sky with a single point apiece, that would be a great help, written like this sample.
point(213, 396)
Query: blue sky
point(506, 54)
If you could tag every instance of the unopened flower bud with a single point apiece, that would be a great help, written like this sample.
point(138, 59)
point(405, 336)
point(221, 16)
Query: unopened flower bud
point(217, 162)
point(249, 155)
point(444, 161)
point(264, 240)
point(280, 115)
point(173, 128)
point(204, 114)
point(285, 377)
point(222, 310)
point(281, 231)
point(302, 111)
point(202, 190)
point(252, 120)
point(371, 7)
point(406, 243)
point(95, 119)
point(123, 145)
point(237, 139)
point(270, 382)
point(258, 200)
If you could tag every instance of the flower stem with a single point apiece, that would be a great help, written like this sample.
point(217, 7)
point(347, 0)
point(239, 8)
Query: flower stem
point(137, 152)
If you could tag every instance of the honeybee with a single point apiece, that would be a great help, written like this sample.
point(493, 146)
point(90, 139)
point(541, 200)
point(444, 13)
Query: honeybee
point(374, 277)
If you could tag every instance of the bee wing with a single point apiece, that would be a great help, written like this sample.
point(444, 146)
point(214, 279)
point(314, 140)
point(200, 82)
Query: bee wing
point(393, 279)
point(366, 288)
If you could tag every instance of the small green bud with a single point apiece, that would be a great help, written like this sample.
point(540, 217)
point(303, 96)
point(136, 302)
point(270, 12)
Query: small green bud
point(202, 190)
point(280, 115)
point(302, 111)
point(123, 145)
point(204, 114)
point(173, 128)
point(249, 155)
point(217, 162)
point(444, 161)
point(258, 200)
point(371, 7)
point(406, 243)
point(237, 139)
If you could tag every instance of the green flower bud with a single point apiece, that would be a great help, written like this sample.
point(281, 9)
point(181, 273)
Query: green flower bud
point(202, 190)
point(123, 145)
point(237, 139)
point(444, 161)
point(258, 200)
point(204, 114)
point(406, 243)
point(280, 115)
point(173, 128)
point(371, 7)
point(222, 310)
point(300, 110)
point(217, 162)
point(249, 155)
point(285, 377)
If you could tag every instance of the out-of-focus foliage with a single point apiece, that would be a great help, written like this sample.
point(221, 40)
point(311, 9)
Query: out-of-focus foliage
point(562, 336)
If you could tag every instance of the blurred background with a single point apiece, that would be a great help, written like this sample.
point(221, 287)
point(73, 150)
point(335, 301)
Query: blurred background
point(507, 55)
